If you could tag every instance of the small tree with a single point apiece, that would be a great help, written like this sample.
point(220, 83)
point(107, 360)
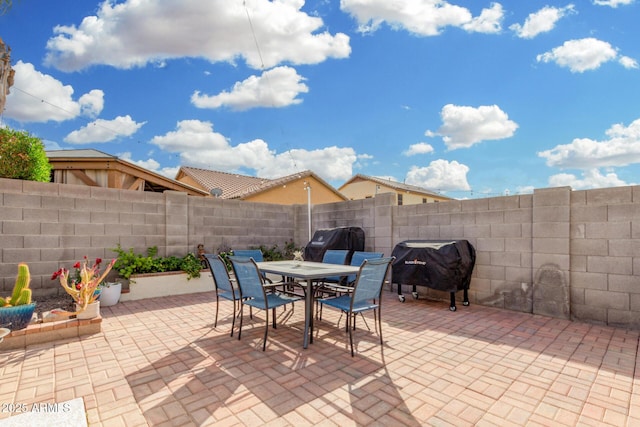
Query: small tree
point(22, 156)
point(5, 5)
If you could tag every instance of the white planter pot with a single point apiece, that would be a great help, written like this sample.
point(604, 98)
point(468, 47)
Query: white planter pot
point(92, 311)
point(110, 294)
point(155, 285)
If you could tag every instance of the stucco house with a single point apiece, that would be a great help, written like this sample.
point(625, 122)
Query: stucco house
point(288, 190)
point(365, 187)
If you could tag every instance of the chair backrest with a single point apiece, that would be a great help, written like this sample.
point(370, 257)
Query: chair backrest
point(219, 272)
point(370, 278)
point(335, 256)
point(358, 258)
point(248, 277)
point(256, 254)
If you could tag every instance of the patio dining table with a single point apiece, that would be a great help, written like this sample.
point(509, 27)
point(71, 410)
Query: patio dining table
point(311, 272)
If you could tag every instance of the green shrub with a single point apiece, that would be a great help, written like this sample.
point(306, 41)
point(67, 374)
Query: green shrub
point(129, 263)
point(274, 253)
point(22, 156)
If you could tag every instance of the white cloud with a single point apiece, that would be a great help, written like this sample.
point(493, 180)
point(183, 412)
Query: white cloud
point(278, 87)
point(489, 21)
point(151, 164)
point(199, 146)
point(591, 178)
point(541, 21)
point(134, 33)
point(464, 126)
point(621, 149)
point(440, 175)
point(584, 54)
point(38, 97)
point(92, 103)
point(421, 17)
point(627, 62)
point(104, 130)
point(612, 3)
point(419, 148)
point(331, 163)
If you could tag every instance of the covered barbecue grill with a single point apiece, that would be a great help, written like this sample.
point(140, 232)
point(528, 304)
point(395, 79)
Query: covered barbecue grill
point(444, 265)
point(350, 238)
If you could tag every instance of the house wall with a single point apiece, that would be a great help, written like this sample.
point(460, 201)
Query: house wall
point(361, 189)
point(294, 192)
point(556, 252)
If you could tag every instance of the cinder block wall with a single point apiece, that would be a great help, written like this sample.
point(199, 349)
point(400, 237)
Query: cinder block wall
point(556, 252)
point(372, 215)
point(605, 256)
point(52, 225)
point(500, 229)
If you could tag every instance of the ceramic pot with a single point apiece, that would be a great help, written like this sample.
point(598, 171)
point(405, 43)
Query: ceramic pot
point(92, 311)
point(110, 294)
point(17, 317)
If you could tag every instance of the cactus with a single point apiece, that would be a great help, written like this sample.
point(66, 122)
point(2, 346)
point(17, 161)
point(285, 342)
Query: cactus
point(21, 294)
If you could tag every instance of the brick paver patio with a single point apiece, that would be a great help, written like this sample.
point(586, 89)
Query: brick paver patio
point(160, 362)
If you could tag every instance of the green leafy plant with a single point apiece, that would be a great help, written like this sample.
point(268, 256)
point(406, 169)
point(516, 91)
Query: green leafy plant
point(130, 263)
point(22, 156)
point(275, 253)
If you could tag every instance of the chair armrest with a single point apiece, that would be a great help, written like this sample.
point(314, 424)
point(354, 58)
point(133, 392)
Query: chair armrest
point(340, 288)
point(274, 284)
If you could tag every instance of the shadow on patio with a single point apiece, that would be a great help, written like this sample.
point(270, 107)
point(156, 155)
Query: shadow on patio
point(216, 378)
point(160, 362)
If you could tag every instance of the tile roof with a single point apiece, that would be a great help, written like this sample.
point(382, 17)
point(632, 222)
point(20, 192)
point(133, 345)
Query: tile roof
point(231, 184)
point(236, 186)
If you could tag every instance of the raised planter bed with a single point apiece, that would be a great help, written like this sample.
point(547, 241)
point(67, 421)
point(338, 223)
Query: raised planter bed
point(37, 333)
point(155, 285)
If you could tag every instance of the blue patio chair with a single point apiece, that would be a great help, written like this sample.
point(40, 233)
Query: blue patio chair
point(253, 292)
point(223, 285)
point(335, 256)
point(358, 258)
point(366, 294)
point(331, 256)
point(256, 254)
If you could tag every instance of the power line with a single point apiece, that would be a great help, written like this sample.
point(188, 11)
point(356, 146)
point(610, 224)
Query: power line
point(71, 113)
point(266, 77)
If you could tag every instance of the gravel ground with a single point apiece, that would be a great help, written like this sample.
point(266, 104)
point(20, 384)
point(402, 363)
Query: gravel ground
point(48, 303)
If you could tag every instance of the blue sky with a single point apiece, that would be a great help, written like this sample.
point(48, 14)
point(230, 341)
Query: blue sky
point(467, 98)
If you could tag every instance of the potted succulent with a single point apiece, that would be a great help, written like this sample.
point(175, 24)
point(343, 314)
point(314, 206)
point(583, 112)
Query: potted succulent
point(83, 286)
point(16, 311)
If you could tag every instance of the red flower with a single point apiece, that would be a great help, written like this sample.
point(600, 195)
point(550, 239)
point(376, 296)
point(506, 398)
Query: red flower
point(76, 265)
point(98, 261)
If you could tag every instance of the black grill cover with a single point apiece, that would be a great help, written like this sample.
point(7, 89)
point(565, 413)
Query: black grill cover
point(444, 265)
point(351, 238)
